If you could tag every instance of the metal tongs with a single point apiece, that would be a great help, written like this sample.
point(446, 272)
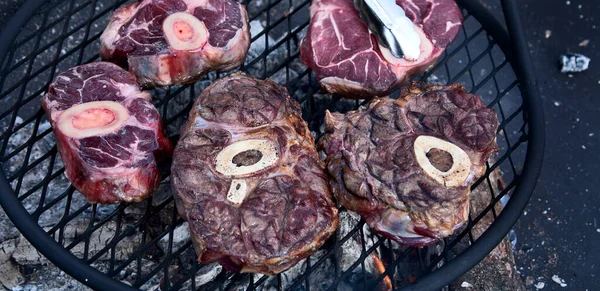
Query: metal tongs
point(388, 21)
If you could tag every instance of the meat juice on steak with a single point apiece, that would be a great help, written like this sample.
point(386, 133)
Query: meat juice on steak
point(407, 165)
point(108, 134)
point(348, 59)
point(167, 42)
point(248, 179)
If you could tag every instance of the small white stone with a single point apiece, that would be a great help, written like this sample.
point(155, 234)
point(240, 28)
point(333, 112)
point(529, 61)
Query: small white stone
point(558, 280)
point(583, 147)
point(597, 229)
point(568, 2)
point(466, 285)
point(540, 285)
point(548, 33)
point(556, 103)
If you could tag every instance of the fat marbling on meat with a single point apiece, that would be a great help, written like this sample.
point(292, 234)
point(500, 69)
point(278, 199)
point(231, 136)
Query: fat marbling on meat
point(407, 165)
point(108, 134)
point(167, 42)
point(248, 179)
point(348, 59)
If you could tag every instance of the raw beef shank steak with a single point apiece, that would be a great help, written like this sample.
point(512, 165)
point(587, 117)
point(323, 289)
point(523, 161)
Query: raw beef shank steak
point(407, 165)
point(248, 179)
point(167, 42)
point(348, 59)
point(108, 133)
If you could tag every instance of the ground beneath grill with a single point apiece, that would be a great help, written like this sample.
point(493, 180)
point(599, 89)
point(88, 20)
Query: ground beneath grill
point(556, 235)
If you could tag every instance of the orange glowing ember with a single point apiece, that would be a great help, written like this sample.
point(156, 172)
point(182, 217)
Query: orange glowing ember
point(381, 269)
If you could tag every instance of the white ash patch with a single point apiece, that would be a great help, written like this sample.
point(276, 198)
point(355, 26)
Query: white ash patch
point(33, 176)
point(129, 275)
point(434, 79)
point(7, 229)
point(289, 277)
point(351, 249)
point(49, 277)
point(10, 276)
point(258, 46)
point(27, 254)
point(322, 277)
point(181, 235)
point(270, 63)
point(207, 273)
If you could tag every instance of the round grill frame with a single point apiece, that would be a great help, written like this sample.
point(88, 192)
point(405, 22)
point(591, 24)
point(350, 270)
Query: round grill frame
point(520, 188)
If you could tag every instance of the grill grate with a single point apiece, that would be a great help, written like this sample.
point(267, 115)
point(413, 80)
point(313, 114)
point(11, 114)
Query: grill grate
point(145, 244)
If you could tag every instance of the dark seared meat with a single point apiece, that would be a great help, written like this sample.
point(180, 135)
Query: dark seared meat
point(407, 165)
point(248, 179)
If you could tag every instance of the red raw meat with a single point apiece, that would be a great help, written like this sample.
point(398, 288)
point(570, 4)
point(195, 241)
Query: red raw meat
point(108, 133)
point(167, 42)
point(348, 59)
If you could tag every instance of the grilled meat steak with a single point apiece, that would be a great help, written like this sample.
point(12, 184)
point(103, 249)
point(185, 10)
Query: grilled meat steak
point(167, 42)
point(348, 59)
point(407, 165)
point(107, 131)
point(248, 179)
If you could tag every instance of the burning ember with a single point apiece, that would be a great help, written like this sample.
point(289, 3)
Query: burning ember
point(381, 269)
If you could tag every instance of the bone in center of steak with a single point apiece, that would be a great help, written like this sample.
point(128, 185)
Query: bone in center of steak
point(184, 31)
point(455, 175)
point(246, 157)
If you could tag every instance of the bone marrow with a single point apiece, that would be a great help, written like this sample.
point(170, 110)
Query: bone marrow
point(184, 31)
point(92, 118)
